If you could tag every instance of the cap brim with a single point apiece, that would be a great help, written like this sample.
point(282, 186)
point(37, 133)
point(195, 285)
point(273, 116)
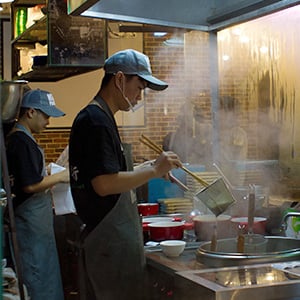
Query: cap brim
point(154, 83)
point(52, 111)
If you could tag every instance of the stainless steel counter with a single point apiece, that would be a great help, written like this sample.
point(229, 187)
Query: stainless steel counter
point(184, 278)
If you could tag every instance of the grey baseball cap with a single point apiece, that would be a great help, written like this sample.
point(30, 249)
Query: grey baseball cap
point(43, 101)
point(133, 62)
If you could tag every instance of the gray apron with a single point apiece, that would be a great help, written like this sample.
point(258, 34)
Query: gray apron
point(113, 256)
point(36, 241)
point(112, 262)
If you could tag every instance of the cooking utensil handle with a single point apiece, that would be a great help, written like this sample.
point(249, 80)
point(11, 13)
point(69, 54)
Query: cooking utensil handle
point(214, 241)
point(223, 175)
point(178, 182)
point(159, 150)
point(199, 179)
point(251, 209)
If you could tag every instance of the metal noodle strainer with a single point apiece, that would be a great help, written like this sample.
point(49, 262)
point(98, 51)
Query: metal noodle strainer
point(216, 197)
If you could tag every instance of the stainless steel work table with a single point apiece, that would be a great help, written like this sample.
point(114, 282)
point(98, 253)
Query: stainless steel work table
point(184, 278)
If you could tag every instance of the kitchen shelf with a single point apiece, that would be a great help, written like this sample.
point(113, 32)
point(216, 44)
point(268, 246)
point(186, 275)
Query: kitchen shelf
point(52, 74)
point(35, 33)
point(72, 45)
point(29, 2)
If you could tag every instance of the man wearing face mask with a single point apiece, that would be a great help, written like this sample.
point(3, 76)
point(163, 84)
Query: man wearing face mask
point(112, 257)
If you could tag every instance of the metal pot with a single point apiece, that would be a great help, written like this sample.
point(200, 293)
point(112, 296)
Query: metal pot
point(161, 231)
point(11, 96)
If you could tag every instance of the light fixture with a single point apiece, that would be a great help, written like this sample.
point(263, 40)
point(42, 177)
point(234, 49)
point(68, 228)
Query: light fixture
point(6, 1)
point(159, 34)
point(176, 42)
point(1, 7)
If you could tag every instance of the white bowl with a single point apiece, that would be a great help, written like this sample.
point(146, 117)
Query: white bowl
point(172, 248)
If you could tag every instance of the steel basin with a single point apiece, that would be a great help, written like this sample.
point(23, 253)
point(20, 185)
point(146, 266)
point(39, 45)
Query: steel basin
point(274, 249)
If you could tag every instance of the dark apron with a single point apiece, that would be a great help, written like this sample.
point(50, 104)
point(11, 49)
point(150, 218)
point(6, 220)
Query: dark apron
point(112, 261)
point(113, 258)
point(36, 241)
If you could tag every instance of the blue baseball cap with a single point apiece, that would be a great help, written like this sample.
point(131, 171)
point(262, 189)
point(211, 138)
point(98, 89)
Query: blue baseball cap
point(43, 101)
point(133, 62)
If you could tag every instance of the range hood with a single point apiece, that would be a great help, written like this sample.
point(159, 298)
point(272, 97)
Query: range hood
point(204, 15)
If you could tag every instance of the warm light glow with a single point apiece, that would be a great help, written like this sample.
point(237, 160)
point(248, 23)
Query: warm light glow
point(237, 31)
point(221, 37)
point(264, 49)
point(244, 39)
point(225, 57)
point(270, 277)
point(159, 34)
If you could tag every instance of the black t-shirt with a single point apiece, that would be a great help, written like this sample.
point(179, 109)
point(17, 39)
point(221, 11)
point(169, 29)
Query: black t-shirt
point(25, 164)
point(94, 149)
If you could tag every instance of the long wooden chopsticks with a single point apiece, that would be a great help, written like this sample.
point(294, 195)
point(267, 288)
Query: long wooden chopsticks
point(146, 141)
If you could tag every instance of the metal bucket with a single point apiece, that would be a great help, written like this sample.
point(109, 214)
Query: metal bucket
point(216, 197)
point(11, 96)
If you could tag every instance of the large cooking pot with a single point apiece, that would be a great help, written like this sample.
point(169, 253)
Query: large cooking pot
point(160, 231)
point(11, 96)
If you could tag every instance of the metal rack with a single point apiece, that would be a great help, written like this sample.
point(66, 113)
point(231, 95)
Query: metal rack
point(10, 228)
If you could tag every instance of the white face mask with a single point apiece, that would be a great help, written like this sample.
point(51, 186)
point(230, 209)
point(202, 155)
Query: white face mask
point(132, 108)
point(137, 106)
point(127, 100)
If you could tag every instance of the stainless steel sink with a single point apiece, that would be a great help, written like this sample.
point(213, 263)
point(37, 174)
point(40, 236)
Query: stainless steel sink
point(272, 249)
point(266, 281)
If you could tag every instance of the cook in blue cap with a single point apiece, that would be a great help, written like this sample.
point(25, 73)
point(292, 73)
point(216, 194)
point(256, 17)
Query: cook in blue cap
point(132, 62)
point(43, 101)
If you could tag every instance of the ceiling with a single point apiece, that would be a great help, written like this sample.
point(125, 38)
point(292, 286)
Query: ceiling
point(205, 15)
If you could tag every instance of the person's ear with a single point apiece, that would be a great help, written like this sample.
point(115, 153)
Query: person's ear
point(119, 77)
point(30, 112)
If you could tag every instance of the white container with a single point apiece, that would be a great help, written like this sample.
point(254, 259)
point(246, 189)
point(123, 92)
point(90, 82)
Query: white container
point(205, 227)
point(172, 248)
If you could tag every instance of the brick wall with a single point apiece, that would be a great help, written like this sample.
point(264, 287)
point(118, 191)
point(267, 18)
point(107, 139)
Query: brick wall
point(186, 70)
point(53, 142)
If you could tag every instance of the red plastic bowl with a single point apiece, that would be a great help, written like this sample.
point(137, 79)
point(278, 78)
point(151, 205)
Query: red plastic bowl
point(147, 209)
point(161, 231)
point(259, 224)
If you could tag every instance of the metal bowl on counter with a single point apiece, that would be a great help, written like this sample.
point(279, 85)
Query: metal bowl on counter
point(11, 95)
point(274, 249)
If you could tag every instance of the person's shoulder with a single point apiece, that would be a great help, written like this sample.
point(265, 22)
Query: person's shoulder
point(18, 136)
point(19, 141)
